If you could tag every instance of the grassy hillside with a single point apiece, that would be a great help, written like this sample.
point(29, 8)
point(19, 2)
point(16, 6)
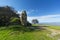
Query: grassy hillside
point(14, 34)
point(54, 27)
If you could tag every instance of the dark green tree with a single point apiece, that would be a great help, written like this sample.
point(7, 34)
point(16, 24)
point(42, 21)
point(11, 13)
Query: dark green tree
point(35, 21)
point(6, 13)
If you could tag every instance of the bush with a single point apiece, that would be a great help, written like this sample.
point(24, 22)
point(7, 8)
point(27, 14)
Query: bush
point(29, 24)
point(6, 13)
point(14, 20)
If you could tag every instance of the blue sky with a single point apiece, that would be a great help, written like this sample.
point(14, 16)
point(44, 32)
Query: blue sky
point(43, 10)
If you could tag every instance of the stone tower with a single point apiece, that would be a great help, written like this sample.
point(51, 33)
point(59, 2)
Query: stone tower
point(23, 18)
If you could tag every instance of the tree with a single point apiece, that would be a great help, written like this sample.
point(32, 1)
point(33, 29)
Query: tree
point(23, 18)
point(6, 13)
point(15, 21)
point(35, 21)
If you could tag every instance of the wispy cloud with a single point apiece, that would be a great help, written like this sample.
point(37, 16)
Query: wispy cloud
point(28, 11)
point(42, 19)
point(31, 11)
point(47, 18)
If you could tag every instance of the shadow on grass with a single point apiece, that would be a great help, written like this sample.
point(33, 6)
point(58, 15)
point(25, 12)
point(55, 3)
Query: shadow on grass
point(23, 29)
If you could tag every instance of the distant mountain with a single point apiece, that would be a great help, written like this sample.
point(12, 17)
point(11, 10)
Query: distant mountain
point(52, 23)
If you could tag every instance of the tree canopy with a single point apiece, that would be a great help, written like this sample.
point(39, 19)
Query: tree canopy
point(35, 21)
point(6, 13)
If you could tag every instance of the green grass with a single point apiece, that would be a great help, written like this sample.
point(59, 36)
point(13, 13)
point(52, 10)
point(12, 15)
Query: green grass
point(35, 24)
point(16, 35)
point(54, 27)
point(12, 34)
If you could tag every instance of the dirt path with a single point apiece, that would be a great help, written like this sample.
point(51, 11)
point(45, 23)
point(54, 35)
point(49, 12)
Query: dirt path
point(53, 31)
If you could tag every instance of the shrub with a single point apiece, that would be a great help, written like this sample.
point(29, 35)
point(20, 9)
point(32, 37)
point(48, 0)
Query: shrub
point(14, 20)
point(29, 24)
point(6, 13)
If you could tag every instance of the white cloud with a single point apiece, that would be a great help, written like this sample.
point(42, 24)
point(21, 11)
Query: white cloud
point(31, 11)
point(28, 11)
point(19, 12)
point(47, 18)
point(41, 19)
